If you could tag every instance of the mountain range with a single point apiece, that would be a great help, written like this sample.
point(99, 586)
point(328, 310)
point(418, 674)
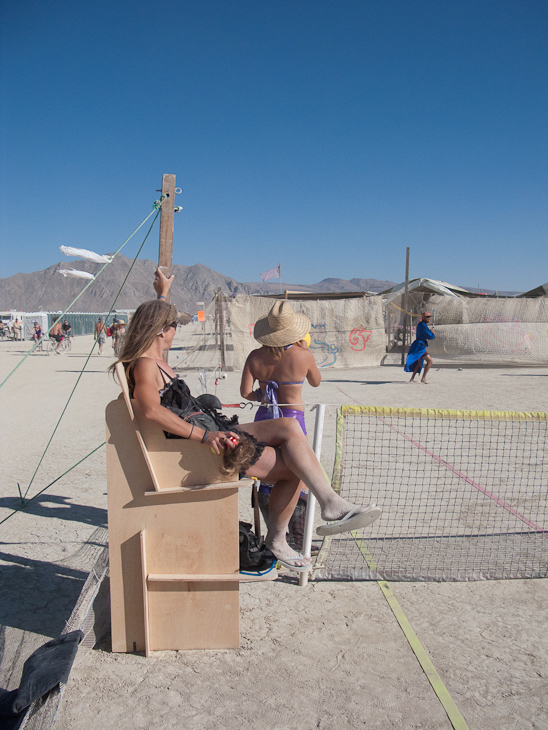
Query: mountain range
point(48, 290)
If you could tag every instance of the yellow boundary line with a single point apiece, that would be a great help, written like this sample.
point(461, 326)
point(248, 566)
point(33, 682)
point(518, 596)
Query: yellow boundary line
point(436, 682)
point(453, 713)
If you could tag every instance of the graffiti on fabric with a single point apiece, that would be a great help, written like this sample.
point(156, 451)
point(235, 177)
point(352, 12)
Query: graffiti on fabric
point(318, 336)
point(513, 339)
point(359, 338)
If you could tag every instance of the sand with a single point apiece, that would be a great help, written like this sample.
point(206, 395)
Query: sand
point(330, 655)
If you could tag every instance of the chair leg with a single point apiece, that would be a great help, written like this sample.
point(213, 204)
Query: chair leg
point(256, 511)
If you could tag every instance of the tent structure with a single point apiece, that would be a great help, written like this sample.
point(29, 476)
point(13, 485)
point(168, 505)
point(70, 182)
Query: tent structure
point(423, 285)
point(539, 291)
point(469, 327)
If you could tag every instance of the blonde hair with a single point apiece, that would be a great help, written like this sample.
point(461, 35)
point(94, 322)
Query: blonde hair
point(240, 459)
point(276, 352)
point(149, 319)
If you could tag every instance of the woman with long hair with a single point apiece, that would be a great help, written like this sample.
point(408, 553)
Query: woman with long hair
point(274, 451)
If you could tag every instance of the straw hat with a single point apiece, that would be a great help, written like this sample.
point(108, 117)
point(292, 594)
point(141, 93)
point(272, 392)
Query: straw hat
point(282, 326)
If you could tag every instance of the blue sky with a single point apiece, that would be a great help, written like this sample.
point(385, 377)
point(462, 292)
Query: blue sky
point(327, 136)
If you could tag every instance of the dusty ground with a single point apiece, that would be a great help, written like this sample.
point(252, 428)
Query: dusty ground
point(330, 655)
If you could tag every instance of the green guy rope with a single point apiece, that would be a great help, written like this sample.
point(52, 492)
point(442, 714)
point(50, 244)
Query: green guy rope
point(156, 207)
point(28, 501)
point(89, 356)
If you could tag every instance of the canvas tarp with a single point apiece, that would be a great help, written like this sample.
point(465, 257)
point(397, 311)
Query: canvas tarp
point(490, 329)
point(346, 332)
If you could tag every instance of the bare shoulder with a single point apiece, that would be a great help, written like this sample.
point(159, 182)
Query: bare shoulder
point(301, 355)
point(146, 369)
point(256, 357)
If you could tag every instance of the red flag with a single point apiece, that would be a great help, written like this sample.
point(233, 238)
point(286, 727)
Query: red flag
point(272, 274)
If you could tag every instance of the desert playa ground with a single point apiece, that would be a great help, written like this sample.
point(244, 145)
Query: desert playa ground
point(330, 655)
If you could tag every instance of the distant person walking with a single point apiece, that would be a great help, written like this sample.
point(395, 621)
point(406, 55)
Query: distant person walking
point(118, 333)
point(16, 330)
point(100, 334)
point(418, 350)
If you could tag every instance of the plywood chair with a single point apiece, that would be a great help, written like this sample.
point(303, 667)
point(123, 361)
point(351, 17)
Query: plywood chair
point(173, 537)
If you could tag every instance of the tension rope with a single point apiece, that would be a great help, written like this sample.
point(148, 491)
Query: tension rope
point(156, 207)
point(24, 502)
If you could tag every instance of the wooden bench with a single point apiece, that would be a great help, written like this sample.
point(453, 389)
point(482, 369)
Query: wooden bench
point(173, 538)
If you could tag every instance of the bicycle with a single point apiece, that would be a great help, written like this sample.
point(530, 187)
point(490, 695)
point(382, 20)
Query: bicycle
point(52, 344)
point(67, 343)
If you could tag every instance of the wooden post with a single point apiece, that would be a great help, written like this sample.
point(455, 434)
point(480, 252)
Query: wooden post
point(221, 329)
point(405, 306)
point(167, 214)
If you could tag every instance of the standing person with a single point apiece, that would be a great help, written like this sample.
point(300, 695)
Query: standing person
point(56, 333)
point(275, 451)
point(280, 368)
point(418, 350)
point(16, 330)
point(118, 334)
point(100, 334)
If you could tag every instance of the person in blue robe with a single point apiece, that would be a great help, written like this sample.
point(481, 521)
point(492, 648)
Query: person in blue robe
point(418, 351)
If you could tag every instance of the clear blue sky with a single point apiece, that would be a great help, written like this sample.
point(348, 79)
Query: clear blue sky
point(325, 135)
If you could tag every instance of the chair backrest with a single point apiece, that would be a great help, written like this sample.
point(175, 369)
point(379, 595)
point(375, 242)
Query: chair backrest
point(122, 379)
point(172, 463)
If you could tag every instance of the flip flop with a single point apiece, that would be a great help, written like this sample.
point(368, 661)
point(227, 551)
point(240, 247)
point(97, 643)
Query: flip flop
point(288, 563)
point(354, 520)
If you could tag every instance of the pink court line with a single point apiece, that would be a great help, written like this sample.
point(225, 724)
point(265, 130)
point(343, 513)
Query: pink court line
point(500, 502)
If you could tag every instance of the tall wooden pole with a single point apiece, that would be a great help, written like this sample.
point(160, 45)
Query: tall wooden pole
point(221, 330)
point(167, 214)
point(405, 307)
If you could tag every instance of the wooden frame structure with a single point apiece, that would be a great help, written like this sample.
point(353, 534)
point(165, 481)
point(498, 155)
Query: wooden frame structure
point(173, 538)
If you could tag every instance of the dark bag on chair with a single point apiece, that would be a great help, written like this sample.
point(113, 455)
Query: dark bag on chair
point(254, 555)
point(203, 411)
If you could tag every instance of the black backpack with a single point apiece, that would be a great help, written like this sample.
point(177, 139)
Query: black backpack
point(254, 555)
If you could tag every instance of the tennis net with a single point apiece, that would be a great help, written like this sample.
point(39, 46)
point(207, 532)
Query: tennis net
point(464, 495)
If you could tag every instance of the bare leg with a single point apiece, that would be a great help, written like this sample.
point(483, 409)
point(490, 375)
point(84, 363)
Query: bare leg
point(300, 460)
point(283, 498)
point(428, 361)
point(416, 370)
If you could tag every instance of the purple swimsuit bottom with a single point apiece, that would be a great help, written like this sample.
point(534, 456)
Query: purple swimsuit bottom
point(265, 414)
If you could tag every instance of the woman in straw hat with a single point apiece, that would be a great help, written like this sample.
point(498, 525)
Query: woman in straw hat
point(275, 451)
point(280, 368)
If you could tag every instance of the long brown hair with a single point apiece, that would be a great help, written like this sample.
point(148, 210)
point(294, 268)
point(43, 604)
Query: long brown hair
point(149, 320)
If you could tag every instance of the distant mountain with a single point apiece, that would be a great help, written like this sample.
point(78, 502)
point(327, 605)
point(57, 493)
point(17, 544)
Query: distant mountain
point(51, 291)
point(325, 285)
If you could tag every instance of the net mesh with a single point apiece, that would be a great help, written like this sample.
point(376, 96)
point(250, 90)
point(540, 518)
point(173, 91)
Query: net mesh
point(490, 330)
point(464, 495)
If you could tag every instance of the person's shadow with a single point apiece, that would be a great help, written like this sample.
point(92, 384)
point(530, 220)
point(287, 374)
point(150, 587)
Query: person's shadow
point(61, 508)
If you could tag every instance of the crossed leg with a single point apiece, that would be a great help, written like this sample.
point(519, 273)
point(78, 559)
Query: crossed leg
point(293, 461)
